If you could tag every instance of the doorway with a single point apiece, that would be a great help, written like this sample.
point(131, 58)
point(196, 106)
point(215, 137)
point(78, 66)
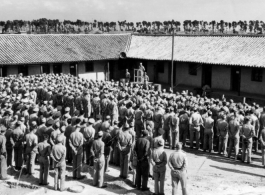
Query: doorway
point(57, 68)
point(235, 79)
point(206, 75)
point(23, 69)
point(3, 71)
point(73, 69)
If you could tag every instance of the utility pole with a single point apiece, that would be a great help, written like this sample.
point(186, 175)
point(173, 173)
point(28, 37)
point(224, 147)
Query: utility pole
point(172, 58)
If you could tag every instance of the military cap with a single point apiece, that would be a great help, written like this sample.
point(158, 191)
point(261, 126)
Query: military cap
point(161, 131)
point(108, 117)
point(50, 122)
point(63, 129)
point(160, 143)
point(36, 109)
point(33, 123)
point(100, 133)
point(91, 121)
point(59, 139)
point(2, 128)
point(57, 114)
point(145, 132)
point(67, 109)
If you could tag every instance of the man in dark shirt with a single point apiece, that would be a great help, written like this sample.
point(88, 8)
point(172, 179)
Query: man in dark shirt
point(142, 149)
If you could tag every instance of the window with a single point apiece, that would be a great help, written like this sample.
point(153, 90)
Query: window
point(193, 69)
point(160, 67)
point(256, 74)
point(89, 66)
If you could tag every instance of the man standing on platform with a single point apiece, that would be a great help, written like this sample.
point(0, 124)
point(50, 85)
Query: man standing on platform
point(127, 76)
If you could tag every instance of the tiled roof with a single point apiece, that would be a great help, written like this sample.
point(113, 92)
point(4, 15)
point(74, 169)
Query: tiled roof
point(33, 49)
point(227, 50)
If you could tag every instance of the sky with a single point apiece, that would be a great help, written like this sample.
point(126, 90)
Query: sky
point(133, 10)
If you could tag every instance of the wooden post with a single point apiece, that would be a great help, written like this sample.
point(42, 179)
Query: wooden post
point(244, 100)
point(108, 71)
point(76, 71)
point(172, 59)
point(41, 69)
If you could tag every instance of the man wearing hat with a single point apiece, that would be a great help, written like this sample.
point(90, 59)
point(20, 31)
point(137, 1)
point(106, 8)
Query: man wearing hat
point(183, 127)
point(124, 144)
point(139, 125)
point(177, 162)
point(222, 133)
point(44, 150)
point(234, 137)
point(3, 168)
point(58, 155)
point(106, 124)
point(86, 101)
point(76, 143)
point(17, 137)
point(174, 129)
point(89, 134)
point(104, 106)
point(158, 119)
point(113, 109)
point(114, 134)
point(248, 132)
point(107, 139)
point(31, 143)
point(95, 105)
point(159, 162)
point(97, 151)
point(142, 149)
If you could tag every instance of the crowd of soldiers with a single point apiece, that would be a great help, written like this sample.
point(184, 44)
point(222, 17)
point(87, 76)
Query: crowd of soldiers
point(54, 119)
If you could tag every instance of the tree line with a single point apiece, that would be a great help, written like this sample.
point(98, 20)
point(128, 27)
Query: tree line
point(45, 26)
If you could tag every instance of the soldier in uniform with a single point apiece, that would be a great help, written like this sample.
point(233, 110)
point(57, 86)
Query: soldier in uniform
point(76, 143)
point(97, 151)
point(177, 162)
point(124, 144)
point(96, 105)
point(183, 127)
point(195, 123)
point(89, 134)
point(113, 109)
point(87, 104)
point(58, 155)
point(138, 125)
point(262, 143)
point(233, 133)
point(158, 119)
point(142, 149)
point(127, 76)
point(3, 168)
point(44, 150)
point(248, 132)
point(174, 129)
point(18, 138)
point(208, 133)
point(30, 153)
point(159, 162)
point(222, 132)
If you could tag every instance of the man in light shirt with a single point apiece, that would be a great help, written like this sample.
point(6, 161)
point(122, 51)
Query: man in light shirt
point(178, 164)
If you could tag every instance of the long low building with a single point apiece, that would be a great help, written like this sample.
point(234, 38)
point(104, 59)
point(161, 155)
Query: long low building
point(230, 64)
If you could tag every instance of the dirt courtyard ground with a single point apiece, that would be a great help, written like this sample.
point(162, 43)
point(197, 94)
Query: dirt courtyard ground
point(208, 174)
